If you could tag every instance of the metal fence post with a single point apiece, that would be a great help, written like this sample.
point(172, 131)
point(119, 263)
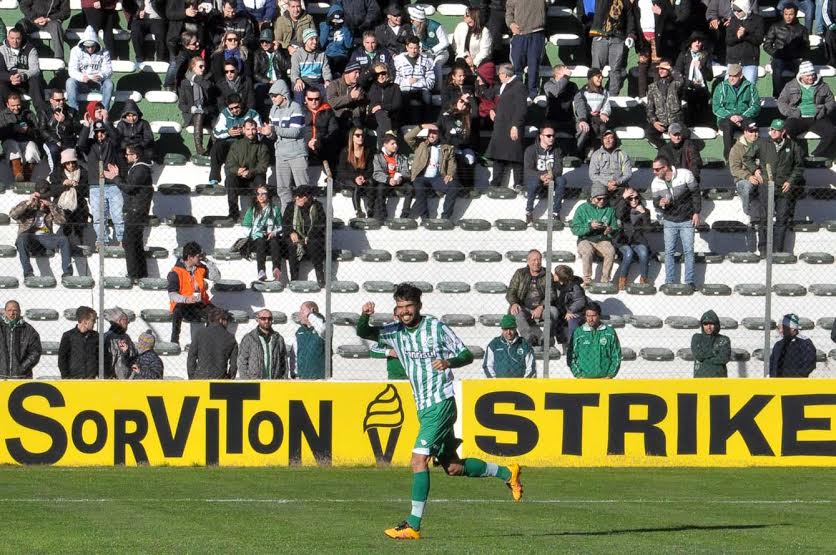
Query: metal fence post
point(767, 328)
point(329, 230)
point(100, 243)
point(547, 323)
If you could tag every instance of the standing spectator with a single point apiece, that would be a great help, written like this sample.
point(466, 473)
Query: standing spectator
point(263, 354)
point(320, 126)
point(292, 23)
point(101, 16)
point(459, 127)
point(335, 38)
point(137, 192)
point(664, 103)
point(234, 82)
point(187, 24)
point(744, 180)
point(102, 148)
point(263, 12)
point(526, 298)
point(361, 15)
point(807, 103)
point(354, 171)
point(393, 33)
point(682, 151)
point(694, 65)
point(570, 299)
point(347, 99)
point(78, 352)
point(710, 349)
point(18, 129)
point(264, 220)
point(89, 69)
point(794, 355)
point(369, 54)
point(230, 50)
point(591, 107)
point(634, 220)
point(196, 101)
point(415, 76)
point(270, 64)
point(472, 43)
point(434, 42)
point(609, 166)
point(718, 14)
point(304, 233)
point(434, 168)
point(246, 167)
point(119, 348)
point(744, 36)
point(147, 365)
point(505, 148)
point(596, 352)
point(135, 131)
point(59, 127)
point(527, 20)
point(309, 66)
point(20, 344)
point(22, 72)
point(149, 18)
point(307, 350)
point(776, 163)
point(287, 124)
point(658, 38)
point(390, 171)
point(213, 353)
point(494, 21)
point(595, 224)
point(49, 16)
point(385, 101)
point(509, 355)
point(560, 99)
point(611, 31)
point(187, 288)
point(676, 196)
point(543, 168)
point(734, 99)
point(228, 128)
point(788, 42)
point(35, 218)
point(69, 175)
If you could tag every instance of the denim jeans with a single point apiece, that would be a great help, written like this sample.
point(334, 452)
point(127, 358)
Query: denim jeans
point(74, 88)
point(533, 186)
point(684, 231)
point(51, 241)
point(112, 210)
point(627, 254)
point(744, 189)
point(751, 74)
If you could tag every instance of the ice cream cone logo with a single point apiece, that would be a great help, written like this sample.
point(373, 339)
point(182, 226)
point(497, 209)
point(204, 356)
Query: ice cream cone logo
point(384, 411)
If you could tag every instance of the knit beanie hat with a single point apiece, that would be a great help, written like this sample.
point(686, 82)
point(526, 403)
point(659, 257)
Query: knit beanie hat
point(806, 68)
point(146, 341)
point(791, 321)
point(308, 34)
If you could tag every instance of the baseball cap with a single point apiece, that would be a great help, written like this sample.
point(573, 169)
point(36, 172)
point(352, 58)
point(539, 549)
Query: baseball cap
point(675, 129)
point(777, 124)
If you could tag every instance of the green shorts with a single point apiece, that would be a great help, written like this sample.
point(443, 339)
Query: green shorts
point(436, 437)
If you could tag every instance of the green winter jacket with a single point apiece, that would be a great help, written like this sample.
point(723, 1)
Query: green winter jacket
point(509, 360)
point(728, 101)
point(711, 352)
point(582, 220)
point(596, 352)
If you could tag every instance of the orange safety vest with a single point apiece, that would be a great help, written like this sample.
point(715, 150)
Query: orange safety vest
point(189, 283)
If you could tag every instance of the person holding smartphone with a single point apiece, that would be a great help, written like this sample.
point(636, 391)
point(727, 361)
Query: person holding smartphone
point(187, 288)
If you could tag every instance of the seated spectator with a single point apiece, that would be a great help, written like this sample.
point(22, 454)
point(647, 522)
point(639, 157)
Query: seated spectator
point(744, 36)
point(434, 168)
point(320, 126)
point(179, 65)
point(361, 15)
point(147, 365)
point(49, 17)
point(570, 299)
point(734, 99)
point(264, 220)
point(390, 171)
point(187, 288)
point(20, 69)
point(228, 127)
point(676, 196)
point(253, 362)
point(595, 224)
point(35, 218)
point(100, 142)
point(543, 168)
point(287, 124)
point(459, 128)
point(336, 38)
point(434, 42)
point(58, 125)
point(505, 147)
point(807, 103)
point(78, 352)
point(472, 43)
point(354, 171)
point(744, 180)
point(385, 102)
point(101, 15)
point(527, 21)
point(415, 76)
point(292, 24)
point(456, 86)
point(18, 129)
point(526, 296)
point(137, 192)
point(664, 103)
point(234, 82)
point(596, 352)
point(560, 99)
point(775, 162)
point(788, 43)
point(710, 349)
point(682, 150)
point(20, 344)
point(135, 131)
point(347, 99)
point(262, 12)
point(694, 65)
point(149, 18)
point(70, 176)
point(270, 64)
point(828, 13)
point(634, 220)
point(306, 349)
point(610, 167)
point(304, 233)
point(592, 109)
point(794, 355)
point(309, 67)
point(393, 33)
point(246, 167)
point(369, 54)
point(231, 51)
point(89, 69)
point(509, 355)
point(196, 101)
point(119, 348)
point(213, 353)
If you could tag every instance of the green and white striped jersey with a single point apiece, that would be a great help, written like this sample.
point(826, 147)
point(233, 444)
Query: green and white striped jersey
point(416, 349)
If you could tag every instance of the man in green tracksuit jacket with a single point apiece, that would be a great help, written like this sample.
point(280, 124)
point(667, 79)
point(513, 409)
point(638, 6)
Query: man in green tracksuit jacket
point(595, 224)
point(509, 355)
point(308, 348)
point(596, 352)
point(711, 350)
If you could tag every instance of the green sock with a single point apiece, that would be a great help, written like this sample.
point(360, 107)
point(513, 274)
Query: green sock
point(477, 468)
point(420, 492)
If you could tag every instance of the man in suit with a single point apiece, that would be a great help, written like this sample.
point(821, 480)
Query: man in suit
point(506, 148)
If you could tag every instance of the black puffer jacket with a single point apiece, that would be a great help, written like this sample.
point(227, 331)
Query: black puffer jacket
point(137, 134)
point(64, 133)
point(78, 355)
point(281, 65)
point(634, 224)
point(387, 96)
point(106, 151)
point(746, 50)
point(20, 349)
point(787, 42)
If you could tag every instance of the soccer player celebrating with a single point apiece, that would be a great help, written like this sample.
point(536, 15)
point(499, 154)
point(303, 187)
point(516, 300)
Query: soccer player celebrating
point(428, 350)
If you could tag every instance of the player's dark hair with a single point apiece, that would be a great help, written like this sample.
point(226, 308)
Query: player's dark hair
point(407, 292)
point(593, 306)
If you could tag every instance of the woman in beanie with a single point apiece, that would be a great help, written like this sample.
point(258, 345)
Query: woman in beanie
point(70, 175)
point(119, 349)
point(147, 365)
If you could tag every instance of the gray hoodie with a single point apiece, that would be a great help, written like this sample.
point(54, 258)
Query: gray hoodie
point(24, 59)
point(288, 123)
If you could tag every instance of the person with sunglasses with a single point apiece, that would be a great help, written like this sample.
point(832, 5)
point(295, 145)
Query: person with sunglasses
point(630, 240)
point(264, 221)
point(213, 353)
point(744, 36)
point(543, 168)
point(385, 102)
point(58, 127)
point(231, 50)
point(595, 224)
point(196, 101)
point(306, 350)
point(270, 63)
point(320, 127)
point(228, 127)
point(253, 362)
point(234, 82)
point(89, 69)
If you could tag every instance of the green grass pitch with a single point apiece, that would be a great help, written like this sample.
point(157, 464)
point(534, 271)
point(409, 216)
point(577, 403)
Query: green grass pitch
point(304, 510)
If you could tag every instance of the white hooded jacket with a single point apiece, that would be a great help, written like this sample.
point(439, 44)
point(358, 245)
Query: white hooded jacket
point(83, 63)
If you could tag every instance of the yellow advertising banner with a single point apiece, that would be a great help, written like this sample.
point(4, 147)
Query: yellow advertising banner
point(709, 422)
point(196, 423)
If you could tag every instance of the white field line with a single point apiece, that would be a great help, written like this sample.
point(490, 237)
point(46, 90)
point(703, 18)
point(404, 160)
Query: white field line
point(244, 500)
